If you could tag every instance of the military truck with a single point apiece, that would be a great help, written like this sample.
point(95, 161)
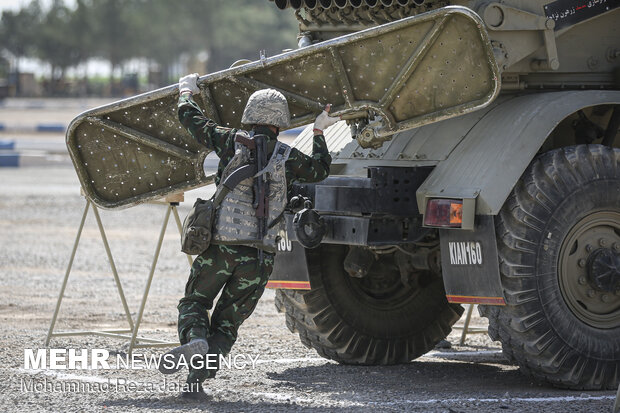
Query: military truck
point(515, 206)
point(477, 162)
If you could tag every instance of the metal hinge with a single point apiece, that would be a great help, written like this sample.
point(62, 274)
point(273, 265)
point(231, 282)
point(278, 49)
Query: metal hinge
point(500, 17)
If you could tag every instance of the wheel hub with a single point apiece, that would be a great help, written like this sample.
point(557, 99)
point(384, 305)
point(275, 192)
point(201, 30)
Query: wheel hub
point(381, 287)
point(589, 269)
point(604, 270)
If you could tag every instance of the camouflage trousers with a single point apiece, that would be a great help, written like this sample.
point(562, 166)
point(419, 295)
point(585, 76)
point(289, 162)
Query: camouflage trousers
point(236, 271)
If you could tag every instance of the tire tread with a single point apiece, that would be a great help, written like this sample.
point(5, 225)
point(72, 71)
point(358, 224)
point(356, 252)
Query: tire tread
point(527, 336)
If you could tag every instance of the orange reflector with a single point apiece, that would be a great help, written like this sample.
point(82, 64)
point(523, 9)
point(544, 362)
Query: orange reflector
point(456, 213)
point(442, 212)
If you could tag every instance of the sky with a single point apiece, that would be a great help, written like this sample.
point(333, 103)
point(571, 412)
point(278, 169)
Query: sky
point(17, 4)
point(10, 4)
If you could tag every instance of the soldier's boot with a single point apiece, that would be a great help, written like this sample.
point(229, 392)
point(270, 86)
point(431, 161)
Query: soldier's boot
point(171, 360)
point(193, 391)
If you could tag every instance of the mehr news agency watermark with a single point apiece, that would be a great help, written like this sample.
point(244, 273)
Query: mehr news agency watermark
point(56, 361)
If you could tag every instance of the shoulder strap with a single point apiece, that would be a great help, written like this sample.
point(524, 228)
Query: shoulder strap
point(281, 151)
point(239, 174)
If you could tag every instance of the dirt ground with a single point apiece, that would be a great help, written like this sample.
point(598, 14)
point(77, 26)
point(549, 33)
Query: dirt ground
point(40, 209)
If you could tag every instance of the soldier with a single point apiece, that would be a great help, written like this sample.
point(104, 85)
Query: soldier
point(239, 271)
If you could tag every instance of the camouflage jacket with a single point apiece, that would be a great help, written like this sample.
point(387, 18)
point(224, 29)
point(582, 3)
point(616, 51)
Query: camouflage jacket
point(299, 166)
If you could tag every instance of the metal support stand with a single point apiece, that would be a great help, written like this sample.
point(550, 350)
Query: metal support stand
point(134, 343)
point(469, 330)
point(130, 333)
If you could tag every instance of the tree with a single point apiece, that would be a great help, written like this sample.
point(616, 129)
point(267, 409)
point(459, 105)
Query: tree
point(225, 31)
point(243, 28)
point(18, 32)
point(4, 68)
point(80, 29)
point(113, 36)
point(239, 29)
point(56, 44)
point(164, 30)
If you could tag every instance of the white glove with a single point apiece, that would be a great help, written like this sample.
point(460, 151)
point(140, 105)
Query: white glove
point(324, 121)
point(189, 83)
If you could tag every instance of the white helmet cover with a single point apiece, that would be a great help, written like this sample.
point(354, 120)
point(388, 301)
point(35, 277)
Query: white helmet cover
point(267, 107)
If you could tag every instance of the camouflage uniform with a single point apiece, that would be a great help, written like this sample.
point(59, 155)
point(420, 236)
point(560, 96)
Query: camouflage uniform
point(234, 269)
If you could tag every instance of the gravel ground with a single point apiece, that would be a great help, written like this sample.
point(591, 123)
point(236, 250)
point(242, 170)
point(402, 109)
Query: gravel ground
point(40, 209)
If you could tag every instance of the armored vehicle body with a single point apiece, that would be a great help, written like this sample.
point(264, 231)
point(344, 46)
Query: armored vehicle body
point(514, 206)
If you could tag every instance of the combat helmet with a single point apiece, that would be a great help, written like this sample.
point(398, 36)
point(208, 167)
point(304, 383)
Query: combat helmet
point(267, 107)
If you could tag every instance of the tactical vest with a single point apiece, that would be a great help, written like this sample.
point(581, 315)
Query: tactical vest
point(236, 220)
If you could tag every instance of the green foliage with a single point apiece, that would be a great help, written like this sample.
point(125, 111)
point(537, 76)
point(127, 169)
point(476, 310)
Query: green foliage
point(243, 28)
point(162, 31)
point(18, 30)
point(54, 45)
point(158, 39)
point(111, 25)
point(77, 27)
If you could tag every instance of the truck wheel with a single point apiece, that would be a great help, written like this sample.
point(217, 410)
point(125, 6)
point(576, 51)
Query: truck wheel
point(558, 239)
point(374, 320)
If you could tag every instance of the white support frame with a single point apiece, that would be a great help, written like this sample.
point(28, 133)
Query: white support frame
point(466, 328)
point(130, 333)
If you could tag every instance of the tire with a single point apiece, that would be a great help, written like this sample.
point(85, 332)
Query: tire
point(494, 314)
point(343, 322)
point(561, 323)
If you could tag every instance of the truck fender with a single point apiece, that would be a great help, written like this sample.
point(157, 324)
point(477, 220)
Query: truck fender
point(493, 155)
point(482, 170)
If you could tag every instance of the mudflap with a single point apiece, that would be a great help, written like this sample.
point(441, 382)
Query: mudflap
point(470, 264)
point(290, 269)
